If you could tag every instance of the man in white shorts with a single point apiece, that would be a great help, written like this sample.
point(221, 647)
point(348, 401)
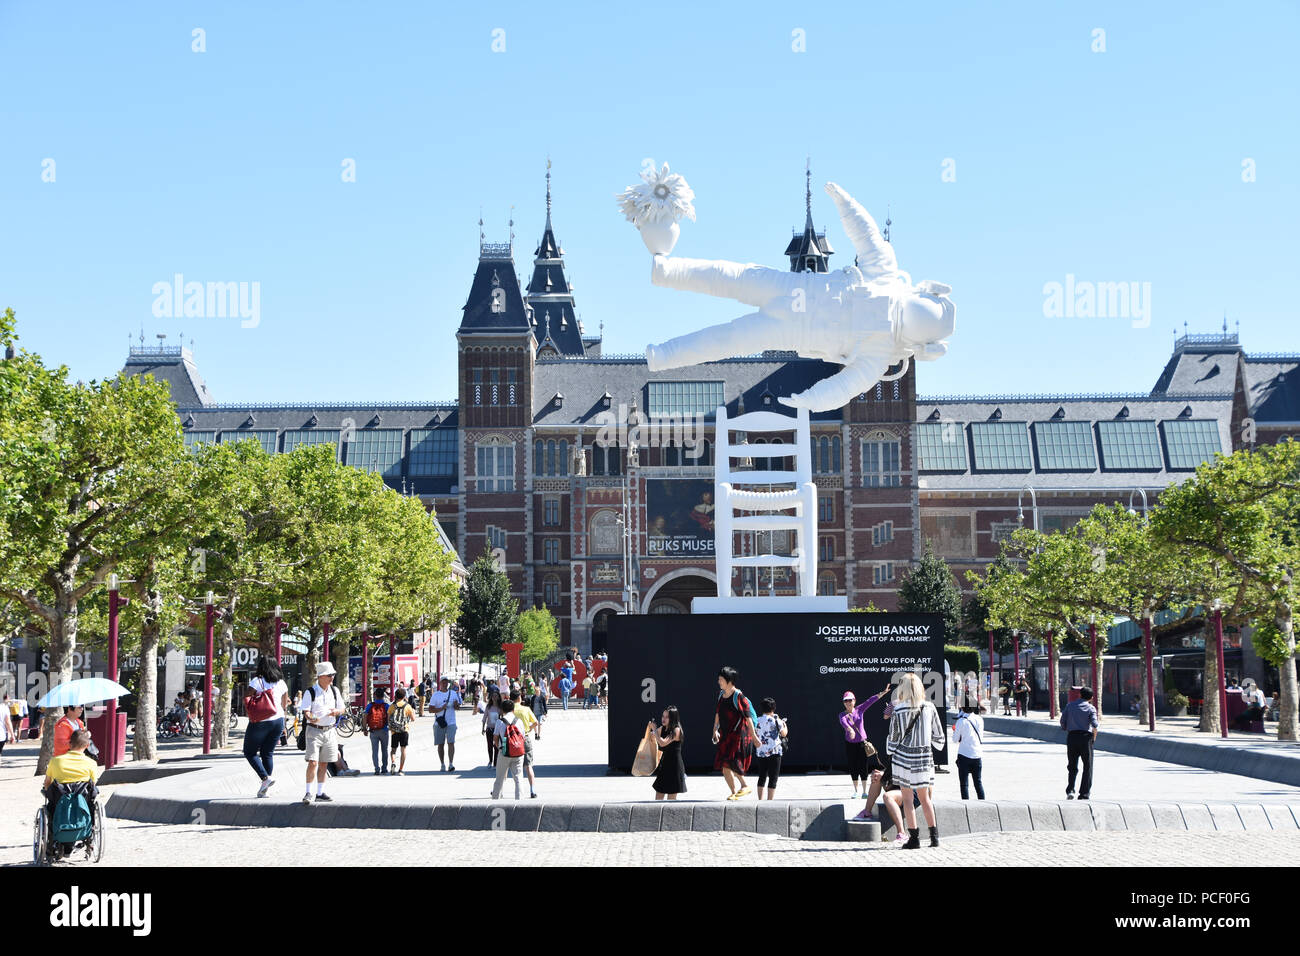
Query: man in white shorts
point(443, 703)
point(321, 707)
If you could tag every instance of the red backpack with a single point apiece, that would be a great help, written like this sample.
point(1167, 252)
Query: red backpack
point(377, 716)
point(514, 739)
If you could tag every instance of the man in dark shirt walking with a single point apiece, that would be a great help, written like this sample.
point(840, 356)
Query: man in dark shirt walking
point(1079, 721)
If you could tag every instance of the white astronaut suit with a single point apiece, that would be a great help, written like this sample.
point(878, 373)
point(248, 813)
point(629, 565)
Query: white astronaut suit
point(867, 317)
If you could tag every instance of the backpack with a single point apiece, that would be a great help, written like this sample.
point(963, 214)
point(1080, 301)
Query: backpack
point(397, 718)
point(377, 716)
point(749, 708)
point(72, 820)
point(514, 739)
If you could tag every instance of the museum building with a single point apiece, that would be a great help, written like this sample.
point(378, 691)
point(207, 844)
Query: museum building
point(590, 478)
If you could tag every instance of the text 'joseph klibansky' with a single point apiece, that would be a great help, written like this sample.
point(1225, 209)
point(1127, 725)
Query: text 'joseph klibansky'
point(178, 299)
point(75, 909)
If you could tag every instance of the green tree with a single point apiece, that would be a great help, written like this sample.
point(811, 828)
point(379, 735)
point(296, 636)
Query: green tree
point(487, 612)
point(930, 589)
point(88, 469)
point(539, 632)
point(1241, 511)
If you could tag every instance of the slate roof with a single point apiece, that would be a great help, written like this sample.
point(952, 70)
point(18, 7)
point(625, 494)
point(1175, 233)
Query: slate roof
point(1273, 388)
point(1086, 408)
point(232, 419)
point(173, 365)
point(1209, 368)
point(496, 270)
point(583, 382)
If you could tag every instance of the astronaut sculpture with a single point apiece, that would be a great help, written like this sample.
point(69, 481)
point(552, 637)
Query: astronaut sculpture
point(868, 317)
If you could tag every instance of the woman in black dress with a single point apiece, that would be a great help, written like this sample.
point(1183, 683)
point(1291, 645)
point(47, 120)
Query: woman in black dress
point(670, 778)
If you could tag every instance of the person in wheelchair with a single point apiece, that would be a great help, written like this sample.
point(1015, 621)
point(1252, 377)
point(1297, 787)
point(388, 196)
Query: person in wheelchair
point(69, 773)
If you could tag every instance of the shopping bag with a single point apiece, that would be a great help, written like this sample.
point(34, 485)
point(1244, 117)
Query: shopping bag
point(647, 756)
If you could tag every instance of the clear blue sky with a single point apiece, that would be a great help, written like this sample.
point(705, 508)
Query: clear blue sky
point(225, 166)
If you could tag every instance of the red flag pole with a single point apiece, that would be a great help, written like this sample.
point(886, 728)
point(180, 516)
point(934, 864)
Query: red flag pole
point(207, 674)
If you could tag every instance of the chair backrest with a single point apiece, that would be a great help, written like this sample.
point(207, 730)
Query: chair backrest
point(728, 448)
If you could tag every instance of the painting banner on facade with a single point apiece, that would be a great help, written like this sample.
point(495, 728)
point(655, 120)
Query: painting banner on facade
point(680, 515)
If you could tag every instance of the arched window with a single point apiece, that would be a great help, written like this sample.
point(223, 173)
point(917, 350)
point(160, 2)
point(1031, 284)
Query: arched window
point(564, 459)
point(671, 454)
point(550, 458)
point(706, 453)
point(537, 458)
point(836, 461)
point(826, 584)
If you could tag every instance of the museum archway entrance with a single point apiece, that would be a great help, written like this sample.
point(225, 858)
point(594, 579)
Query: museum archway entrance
point(674, 596)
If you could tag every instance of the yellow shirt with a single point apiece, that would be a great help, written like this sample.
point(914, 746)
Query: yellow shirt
point(525, 713)
point(72, 767)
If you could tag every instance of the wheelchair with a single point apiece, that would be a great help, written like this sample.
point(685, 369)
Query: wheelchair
point(90, 839)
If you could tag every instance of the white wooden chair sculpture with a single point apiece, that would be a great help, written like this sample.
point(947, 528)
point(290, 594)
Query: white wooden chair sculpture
point(769, 493)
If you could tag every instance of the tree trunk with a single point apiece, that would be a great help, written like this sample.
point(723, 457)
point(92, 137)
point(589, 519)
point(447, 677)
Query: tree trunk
point(63, 643)
point(1209, 722)
point(266, 637)
point(226, 655)
point(144, 745)
point(1287, 728)
point(1097, 692)
point(340, 651)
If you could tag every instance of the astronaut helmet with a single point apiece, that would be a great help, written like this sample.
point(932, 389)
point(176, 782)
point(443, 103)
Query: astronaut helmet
point(926, 319)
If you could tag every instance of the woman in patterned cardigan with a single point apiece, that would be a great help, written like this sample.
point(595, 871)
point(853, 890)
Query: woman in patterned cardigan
point(915, 731)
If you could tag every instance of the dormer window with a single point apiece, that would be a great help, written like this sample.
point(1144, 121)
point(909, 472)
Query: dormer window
point(313, 421)
point(250, 421)
point(606, 400)
point(1123, 412)
point(558, 400)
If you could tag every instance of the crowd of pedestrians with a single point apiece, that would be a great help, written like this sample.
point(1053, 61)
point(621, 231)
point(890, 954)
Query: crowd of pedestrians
point(509, 714)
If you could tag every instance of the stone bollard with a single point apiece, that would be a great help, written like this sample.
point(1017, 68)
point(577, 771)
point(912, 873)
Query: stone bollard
point(862, 831)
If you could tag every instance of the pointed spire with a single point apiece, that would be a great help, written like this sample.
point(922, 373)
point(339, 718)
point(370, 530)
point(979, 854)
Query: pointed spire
point(548, 194)
point(888, 222)
point(1225, 321)
point(808, 250)
point(807, 193)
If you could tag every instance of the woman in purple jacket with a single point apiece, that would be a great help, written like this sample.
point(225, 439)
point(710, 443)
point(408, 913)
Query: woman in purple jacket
point(855, 739)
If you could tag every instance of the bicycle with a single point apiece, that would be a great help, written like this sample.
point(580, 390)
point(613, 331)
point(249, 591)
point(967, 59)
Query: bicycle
point(350, 722)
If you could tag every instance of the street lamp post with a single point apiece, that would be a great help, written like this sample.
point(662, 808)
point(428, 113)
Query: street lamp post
point(1137, 491)
point(325, 638)
point(1015, 650)
point(278, 613)
point(207, 675)
point(1033, 503)
point(1222, 688)
point(1052, 679)
point(990, 633)
point(365, 663)
point(114, 605)
point(1092, 636)
point(1151, 675)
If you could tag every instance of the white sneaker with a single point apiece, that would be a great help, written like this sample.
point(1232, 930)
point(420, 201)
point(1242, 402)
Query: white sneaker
point(267, 784)
point(306, 798)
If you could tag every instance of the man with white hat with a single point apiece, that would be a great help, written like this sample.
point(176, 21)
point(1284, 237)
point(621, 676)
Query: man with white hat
point(321, 707)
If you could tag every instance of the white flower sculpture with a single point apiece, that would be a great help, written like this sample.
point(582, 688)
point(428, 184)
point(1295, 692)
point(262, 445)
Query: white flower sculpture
point(656, 205)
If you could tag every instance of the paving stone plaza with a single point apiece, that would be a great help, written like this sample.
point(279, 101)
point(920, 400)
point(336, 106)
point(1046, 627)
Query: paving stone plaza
point(1143, 812)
